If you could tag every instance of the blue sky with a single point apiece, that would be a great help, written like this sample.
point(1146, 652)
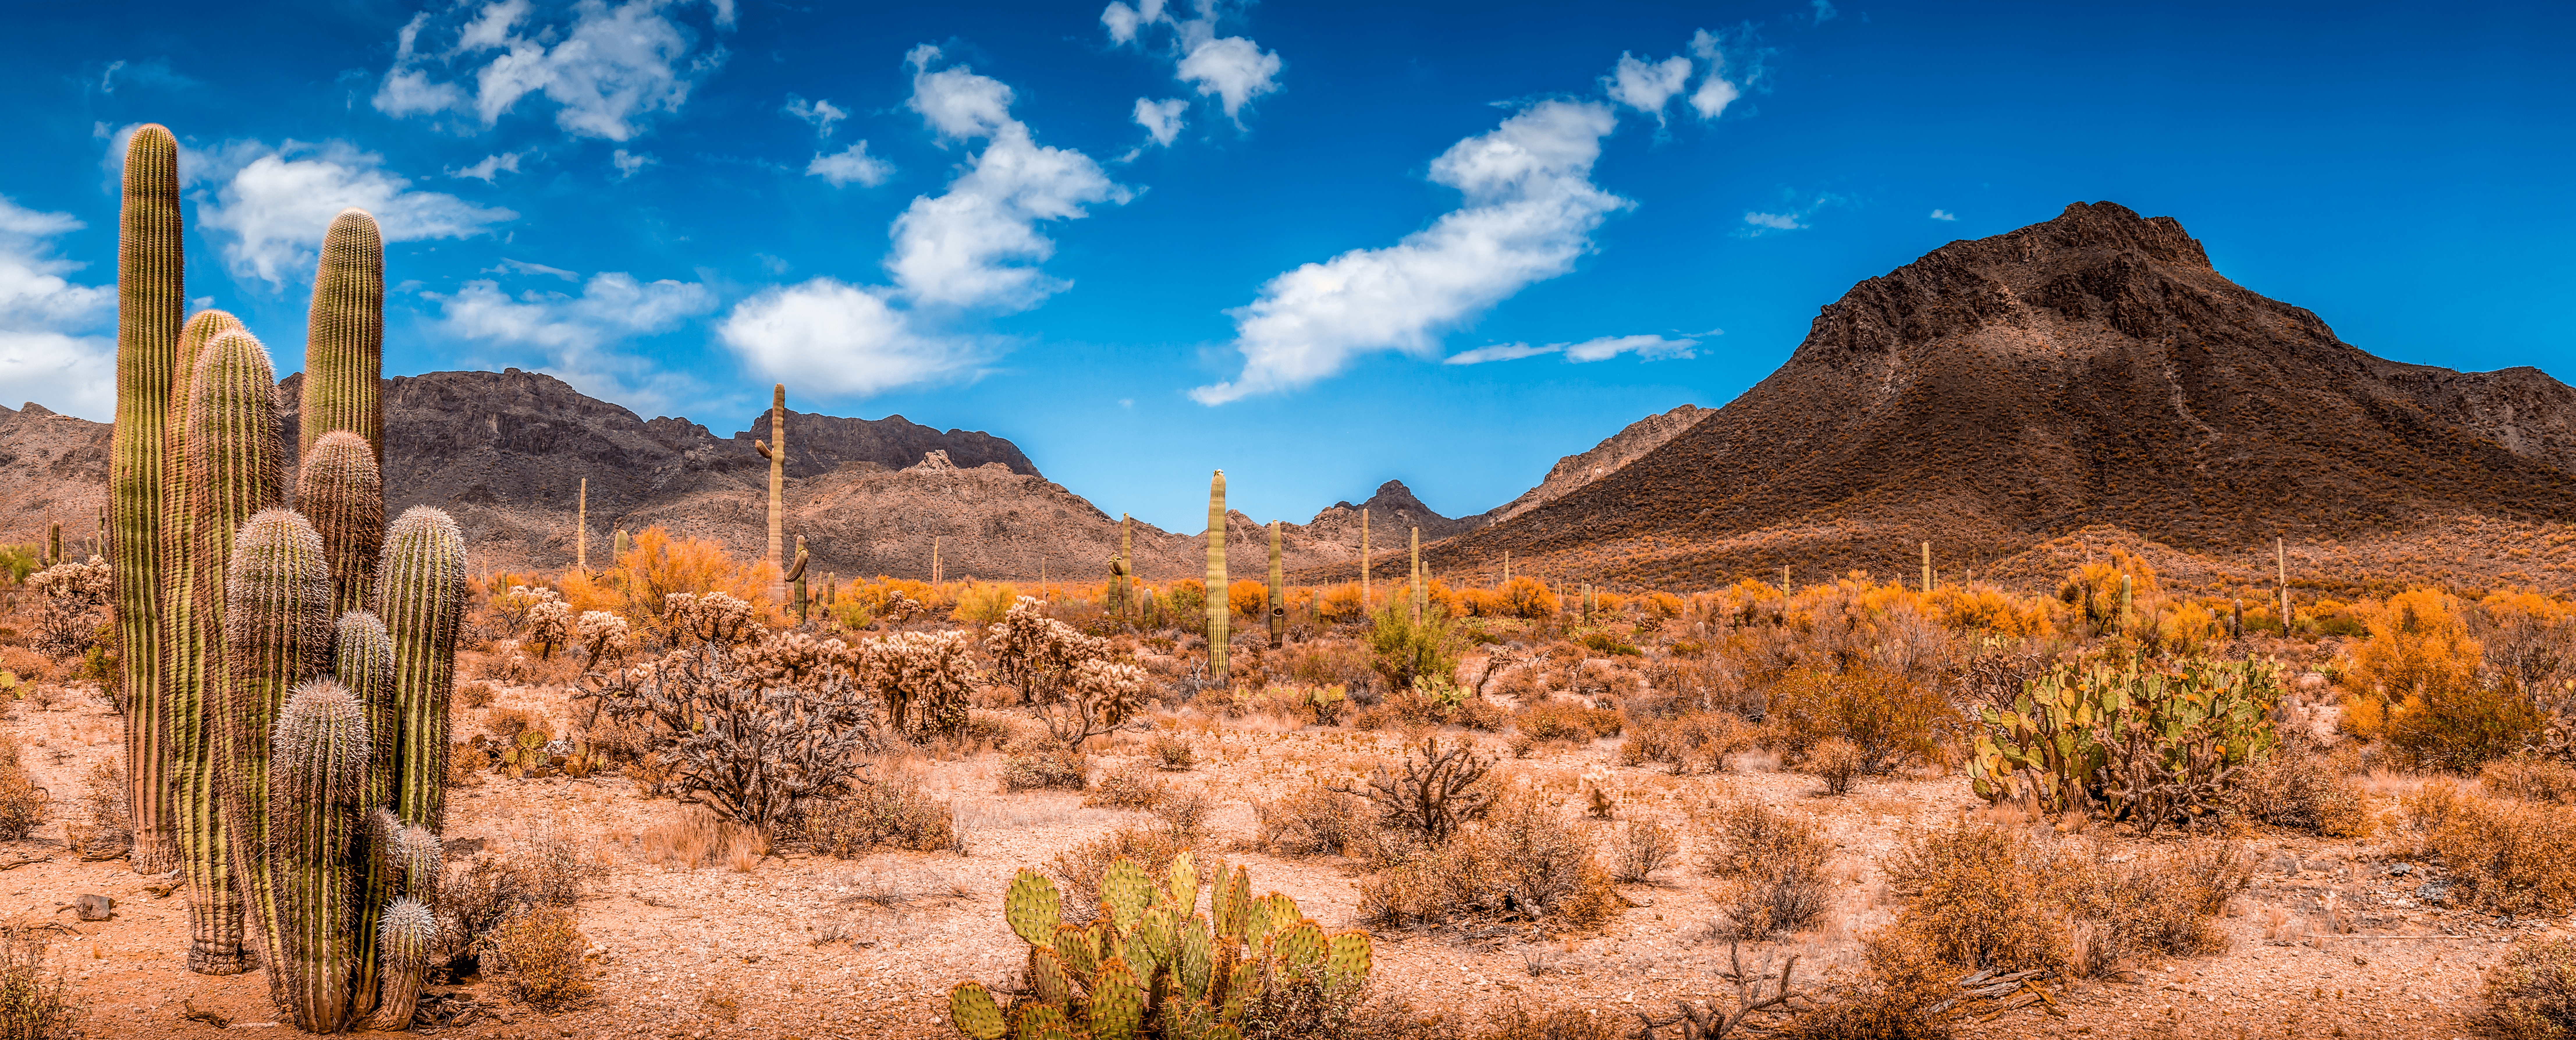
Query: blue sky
point(1321, 245)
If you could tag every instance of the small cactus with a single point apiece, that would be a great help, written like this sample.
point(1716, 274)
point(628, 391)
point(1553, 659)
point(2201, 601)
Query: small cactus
point(317, 779)
point(406, 934)
point(1278, 592)
point(775, 450)
point(277, 634)
point(420, 594)
point(581, 527)
point(619, 544)
point(340, 491)
point(1217, 609)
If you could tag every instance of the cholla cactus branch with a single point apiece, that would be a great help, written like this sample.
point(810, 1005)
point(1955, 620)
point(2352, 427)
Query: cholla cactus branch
point(1436, 795)
point(749, 750)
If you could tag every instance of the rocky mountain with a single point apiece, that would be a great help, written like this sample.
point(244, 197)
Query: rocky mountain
point(2090, 373)
point(1575, 471)
point(53, 470)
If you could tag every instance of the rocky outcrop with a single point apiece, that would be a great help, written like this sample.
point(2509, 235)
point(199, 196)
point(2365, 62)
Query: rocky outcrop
point(53, 470)
point(1626, 446)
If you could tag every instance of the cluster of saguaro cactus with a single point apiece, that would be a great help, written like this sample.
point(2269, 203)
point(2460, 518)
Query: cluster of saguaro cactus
point(1217, 608)
point(1152, 964)
point(274, 713)
point(1278, 592)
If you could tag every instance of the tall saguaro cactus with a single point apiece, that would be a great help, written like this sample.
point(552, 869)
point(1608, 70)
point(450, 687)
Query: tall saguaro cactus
point(1217, 609)
point(151, 299)
point(775, 450)
point(1122, 571)
point(344, 347)
point(1278, 592)
point(1927, 568)
point(340, 492)
point(233, 473)
point(362, 659)
point(1415, 590)
point(159, 770)
point(1364, 562)
point(581, 527)
point(420, 594)
point(277, 634)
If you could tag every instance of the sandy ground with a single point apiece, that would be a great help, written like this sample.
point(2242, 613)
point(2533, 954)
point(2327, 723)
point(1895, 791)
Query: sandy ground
point(807, 947)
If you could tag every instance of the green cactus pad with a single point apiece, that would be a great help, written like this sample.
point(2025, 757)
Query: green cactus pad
point(1348, 955)
point(1075, 947)
point(1047, 977)
point(1117, 1007)
point(1299, 946)
point(1233, 905)
point(972, 1010)
point(1125, 892)
point(1181, 882)
point(1192, 963)
point(1033, 907)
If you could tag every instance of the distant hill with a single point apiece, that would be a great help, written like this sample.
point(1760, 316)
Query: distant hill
point(2080, 382)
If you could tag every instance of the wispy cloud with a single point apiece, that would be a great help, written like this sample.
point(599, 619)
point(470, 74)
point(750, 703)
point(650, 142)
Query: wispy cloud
point(489, 168)
point(1530, 209)
point(628, 164)
point(509, 266)
point(1161, 119)
point(822, 113)
point(57, 337)
point(1646, 348)
point(578, 336)
point(1943, 214)
point(1823, 11)
point(272, 204)
point(1233, 69)
point(608, 68)
point(1796, 216)
point(850, 165)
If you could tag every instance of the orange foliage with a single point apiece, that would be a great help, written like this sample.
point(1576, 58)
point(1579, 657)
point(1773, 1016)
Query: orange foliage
point(1528, 597)
point(657, 565)
point(1249, 597)
point(1342, 603)
point(2419, 650)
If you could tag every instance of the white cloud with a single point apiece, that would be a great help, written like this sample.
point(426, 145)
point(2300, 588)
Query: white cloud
point(1715, 91)
point(57, 338)
point(577, 334)
point(1647, 87)
point(1161, 119)
point(1530, 208)
point(1775, 221)
point(630, 164)
point(978, 244)
point(613, 64)
point(1798, 216)
point(1233, 69)
point(489, 168)
point(839, 338)
point(1647, 348)
point(274, 204)
point(822, 113)
point(1943, 214)
point(850, 164)
point(509, 266)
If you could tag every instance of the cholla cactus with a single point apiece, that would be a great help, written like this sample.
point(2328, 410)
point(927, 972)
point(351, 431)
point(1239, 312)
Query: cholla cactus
point(1151, 963)
point(605, 636)
point(922, 678)
point(550, 625)
point(88, 584)
point(715, 618)
point(1066, 675)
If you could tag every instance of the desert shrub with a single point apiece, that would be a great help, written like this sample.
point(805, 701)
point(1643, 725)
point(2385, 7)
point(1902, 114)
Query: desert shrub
point(1889, 1001)
point(103, 830)
point(1565, 1023)
point(1525, 861)
point(1341, 603)
point(1314, 821)
point(1976, 897)
point(1248, 597)
point(1432, 702)
point(504, 725)
point(1837, 762)
point(1640, 849)
point(1987, 897)
point(984, 603)
point(472, 900)
point(2514, 857)
point(539, 953)
point(1438, 792)
point(22, 803)
point(551, 867)
point(654, 567)
point(755, 731)
point(1700, 742)
point(1171, 752)
point(2162, 903)
point(1184, 813)
point(1331, 662)
point(1888, 718)
point(1406, 651)
point(893, 812)
point(2532, 994)
point(2301, 788)
point(1078, 869)
point(1527, 597)
point(1554, 719)
point(35, 1004)
point(1133, 786)
point(1067, 676)
point(476, 694)
point(1302, 1004)
point(2532, 779)
point(1770, 865)
point(1046, 770)
point(1600, 642)
point(2461, 729)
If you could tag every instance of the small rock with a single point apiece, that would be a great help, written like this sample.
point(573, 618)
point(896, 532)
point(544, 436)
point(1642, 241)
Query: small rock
point(2433, 891)
point(459, 848)
point(94, 908)
point(2402, 868)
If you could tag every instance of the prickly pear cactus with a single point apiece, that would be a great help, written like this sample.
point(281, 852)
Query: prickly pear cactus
point(1152, 965)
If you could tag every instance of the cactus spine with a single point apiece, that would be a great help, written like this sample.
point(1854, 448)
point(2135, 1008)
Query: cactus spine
point(1217, 608)
point(340, 491)
point(317, 781)
point(420, 594)
point(344, 339)
point(581, 527)
point(775, 450)
point(277, 633)
point(1278, 592)
point(150, 301)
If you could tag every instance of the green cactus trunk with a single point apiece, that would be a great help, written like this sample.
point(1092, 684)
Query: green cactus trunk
point(1927, 568)
point(317, 780)
point(1217, 608)
point(420, 594)
point(344, 345)
point(54, 543)
point(1415, 589)
point(340, 491)
point(405, 935)
point(618, 545)
point(2124, 604)
point(1278, 592)
point(277, 634)
point(362, 659)
point(232, 473)
point(151, 300)
point(775, 450)
point(1364, 563)
point(188, 738)
point(581, 527)
point(1122, 571)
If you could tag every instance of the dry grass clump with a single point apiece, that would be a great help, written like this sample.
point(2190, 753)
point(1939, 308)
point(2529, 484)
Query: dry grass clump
point(1699, 742)
point(1524, 861)
point(538, 951)
point(1770, 866)
point(1171, 752)
point(1888, 718)
point(2531, 779)
point(892, 812)
point(2532, 995)
point(2162, 903)
point(1315, 821)
point(1078, 869)
point(1295, 1004)
point(1133, 786)
point(1559, 720)
point(34, 1004)
point(2504, 855)
point(1640, 849)
point(22, 803)
point(1046, 770)
point(1837, 762)
point(1565, 1023)
point(2300, 788)
point(698, 839)
point(1988, 897)
point(104, 829)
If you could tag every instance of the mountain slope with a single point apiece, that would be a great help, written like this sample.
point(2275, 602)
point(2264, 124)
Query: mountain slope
point(2090, 370)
